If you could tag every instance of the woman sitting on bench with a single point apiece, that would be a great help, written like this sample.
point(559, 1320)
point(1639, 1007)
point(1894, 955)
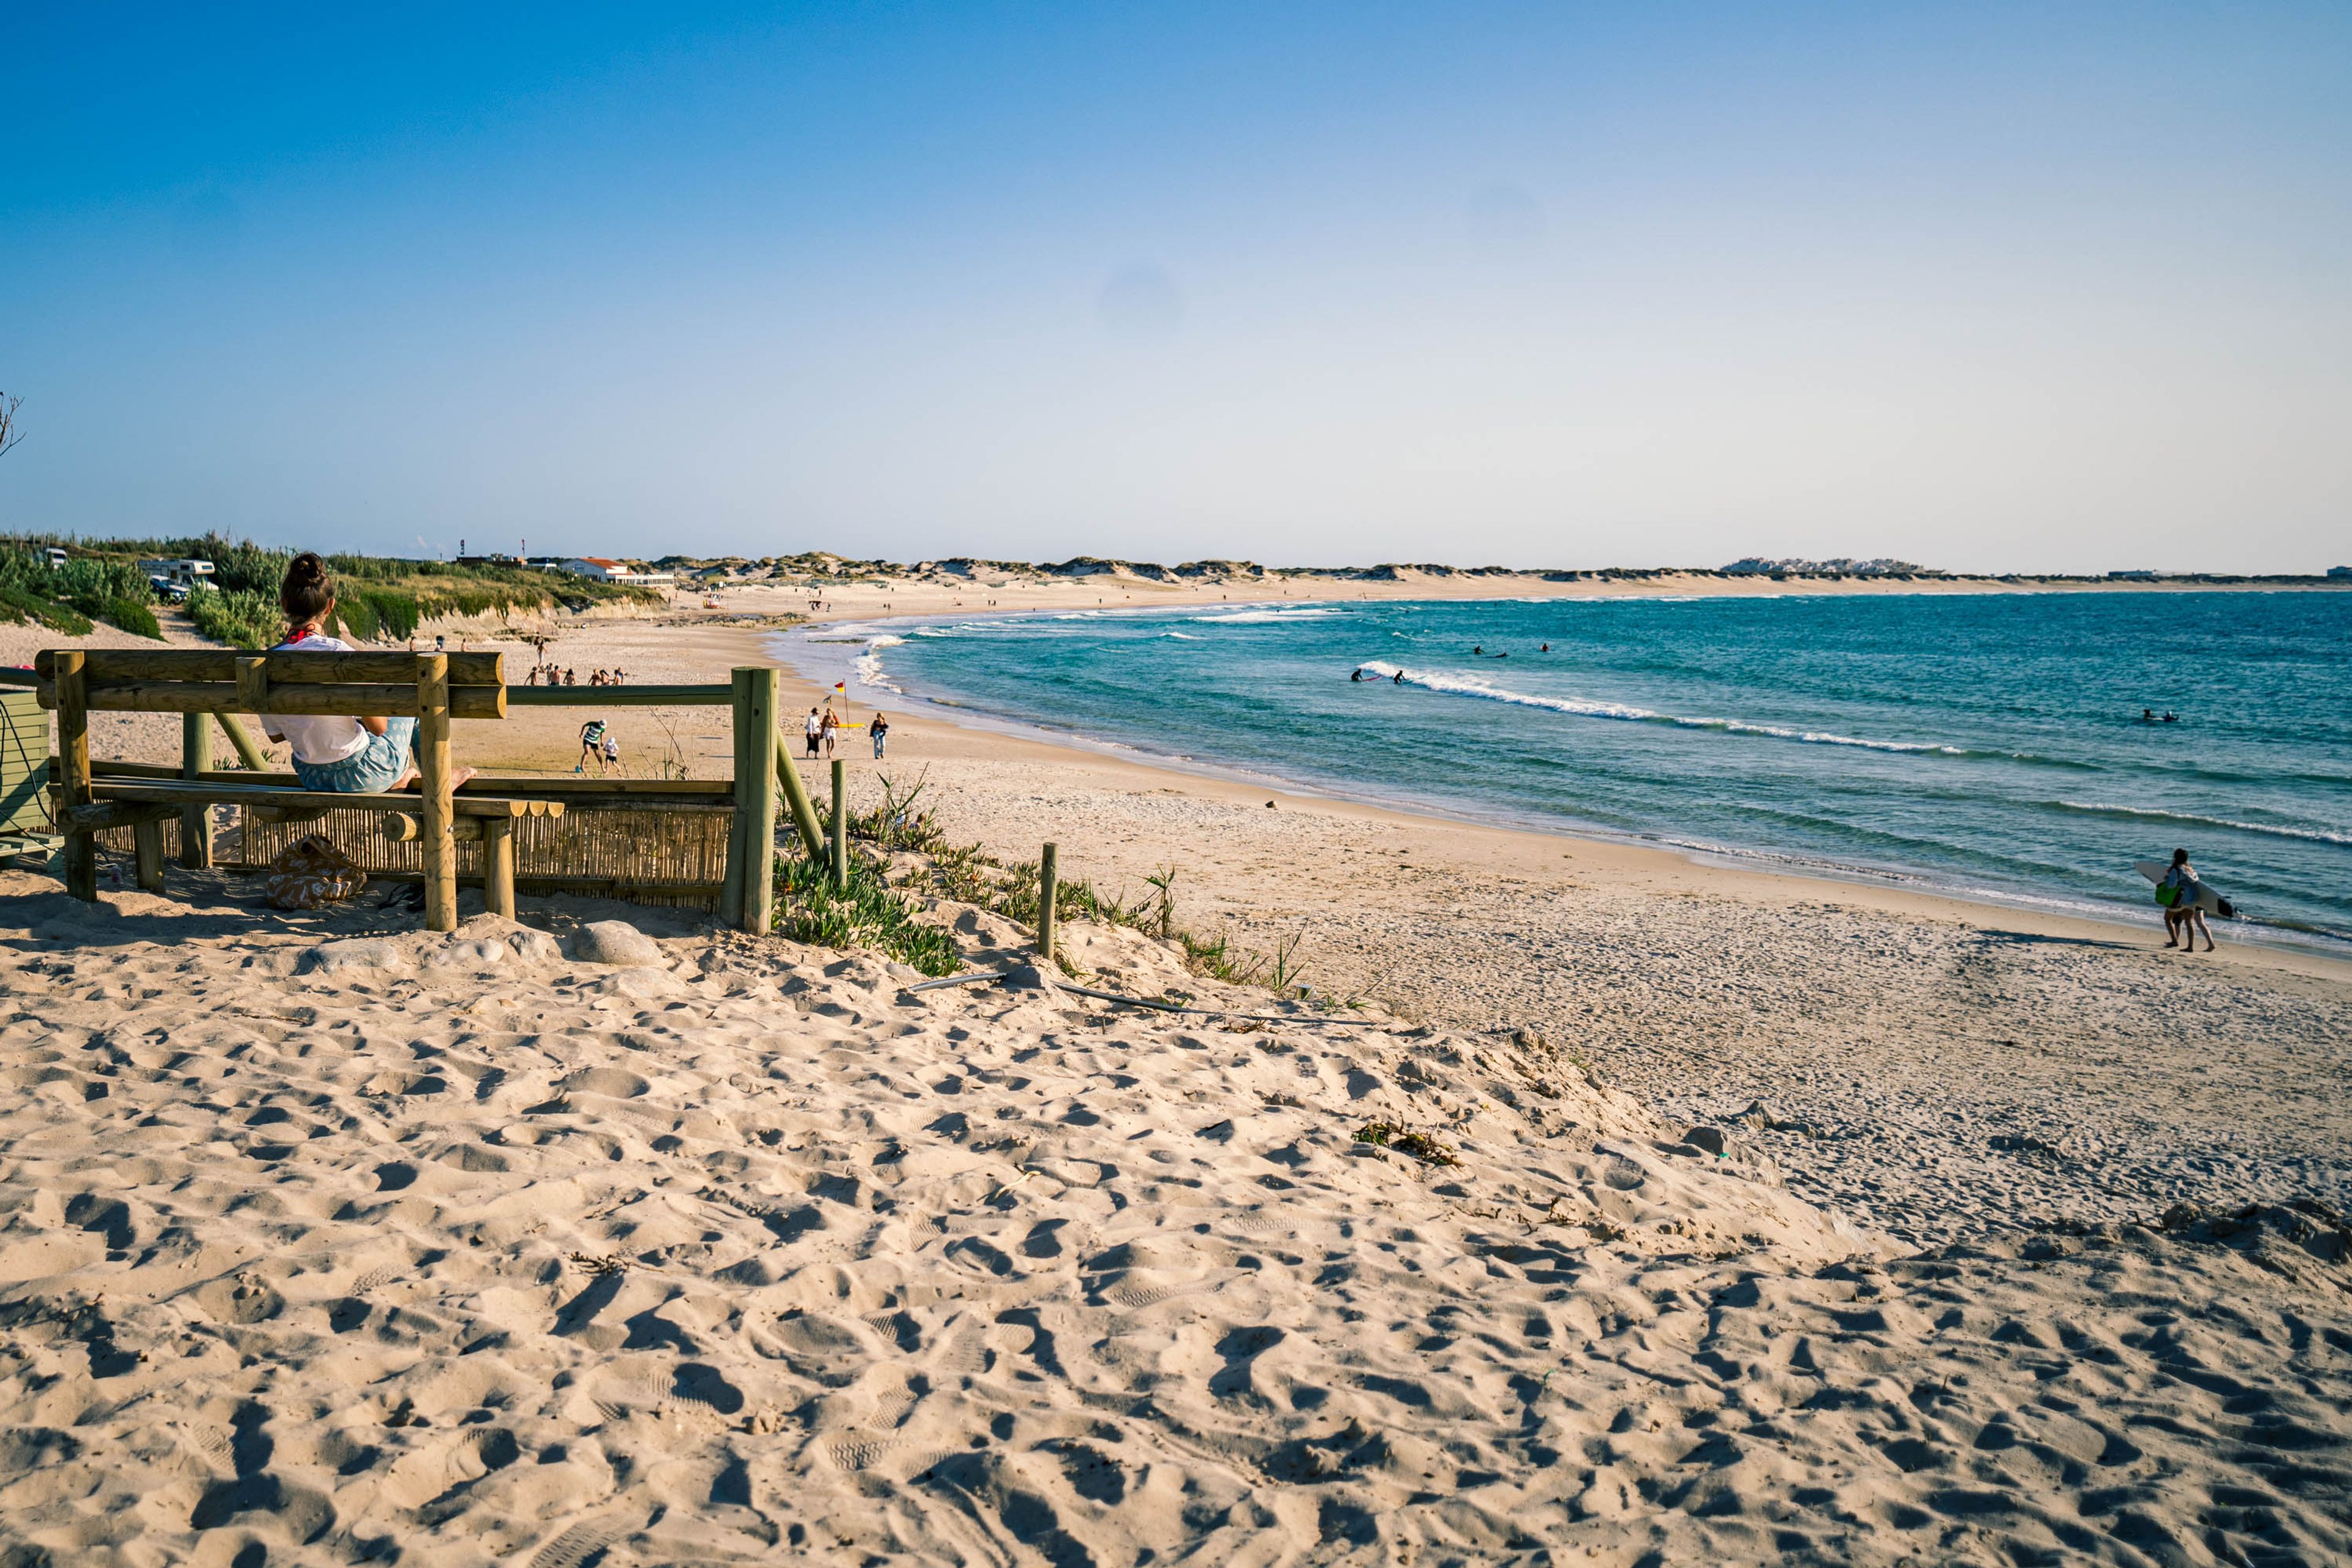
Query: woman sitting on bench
point(343, 756)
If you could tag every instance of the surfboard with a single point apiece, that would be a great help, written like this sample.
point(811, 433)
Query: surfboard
point(2201, 895)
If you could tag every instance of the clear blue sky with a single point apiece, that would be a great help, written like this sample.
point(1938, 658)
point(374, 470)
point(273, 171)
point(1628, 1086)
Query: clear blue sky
point(2036, 286)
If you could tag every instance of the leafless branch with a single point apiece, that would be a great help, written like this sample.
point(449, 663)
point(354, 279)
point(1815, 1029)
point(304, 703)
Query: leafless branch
point(9, 434)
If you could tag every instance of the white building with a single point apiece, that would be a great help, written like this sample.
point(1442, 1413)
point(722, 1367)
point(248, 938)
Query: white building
point(603, 571)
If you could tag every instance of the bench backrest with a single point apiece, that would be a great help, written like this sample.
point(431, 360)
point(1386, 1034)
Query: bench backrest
point(210, 680)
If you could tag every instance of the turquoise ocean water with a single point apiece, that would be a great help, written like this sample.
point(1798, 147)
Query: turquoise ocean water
point(1989, 744)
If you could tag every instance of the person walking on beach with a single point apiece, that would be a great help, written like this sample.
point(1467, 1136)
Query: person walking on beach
point(592, 747)
point(814, 730)
point(831, 731)
point(880, 730)
point(2182, 917)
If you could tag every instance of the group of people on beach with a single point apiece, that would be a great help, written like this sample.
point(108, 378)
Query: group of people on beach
point(821, 730)
point(553, 675)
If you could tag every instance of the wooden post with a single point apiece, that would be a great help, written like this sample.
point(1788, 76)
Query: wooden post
point(147, 854)
point(73, 762)
point(247, 753)
point(840, 825)
point(739, 838)
point(253, 682)
point(1048, 884)
point(498, 866)
point(756, 785)
point(432, 764)
point(195, 821)
point(796, 796)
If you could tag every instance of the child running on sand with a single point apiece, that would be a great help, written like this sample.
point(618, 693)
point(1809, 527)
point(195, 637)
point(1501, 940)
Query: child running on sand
point(359, 755)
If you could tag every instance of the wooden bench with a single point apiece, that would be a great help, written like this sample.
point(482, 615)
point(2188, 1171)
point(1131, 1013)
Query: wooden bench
point(433, 689)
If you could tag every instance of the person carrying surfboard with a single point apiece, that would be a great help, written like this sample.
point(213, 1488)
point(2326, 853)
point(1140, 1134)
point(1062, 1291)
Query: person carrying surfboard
point(2182, 917)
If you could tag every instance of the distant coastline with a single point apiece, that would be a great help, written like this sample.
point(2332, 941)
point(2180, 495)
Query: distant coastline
point(821, 568)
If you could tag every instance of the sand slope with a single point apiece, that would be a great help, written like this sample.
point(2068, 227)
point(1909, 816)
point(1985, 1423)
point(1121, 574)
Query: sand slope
point(324, 1243)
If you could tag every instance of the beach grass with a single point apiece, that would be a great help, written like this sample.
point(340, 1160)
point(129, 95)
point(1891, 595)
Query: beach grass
point(869, 913)
point(968, 874)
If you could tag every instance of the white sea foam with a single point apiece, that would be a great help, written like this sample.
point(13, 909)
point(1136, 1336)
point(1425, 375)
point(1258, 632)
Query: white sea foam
point(1464, 686)
point(1180, 637)
point(1264, 617)
point(2312, 834)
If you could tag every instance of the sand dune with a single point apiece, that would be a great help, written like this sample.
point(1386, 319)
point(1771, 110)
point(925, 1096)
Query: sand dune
point(327, 1241)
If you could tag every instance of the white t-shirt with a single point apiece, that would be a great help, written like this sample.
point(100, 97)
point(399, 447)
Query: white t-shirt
point(318, 739)
point(815, 726)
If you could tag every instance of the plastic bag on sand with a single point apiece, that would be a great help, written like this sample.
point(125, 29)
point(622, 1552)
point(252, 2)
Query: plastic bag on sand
point(311, 873)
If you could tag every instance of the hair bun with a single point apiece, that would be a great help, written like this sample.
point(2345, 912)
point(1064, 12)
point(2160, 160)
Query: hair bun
point(305, 594)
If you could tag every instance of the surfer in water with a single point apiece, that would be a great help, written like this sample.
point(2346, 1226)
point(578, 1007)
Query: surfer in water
point(2182, 917)
point(1400, 678)
point(1356, 674)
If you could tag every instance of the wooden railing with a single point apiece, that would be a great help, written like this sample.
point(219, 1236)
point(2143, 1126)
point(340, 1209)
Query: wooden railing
point(225, 683)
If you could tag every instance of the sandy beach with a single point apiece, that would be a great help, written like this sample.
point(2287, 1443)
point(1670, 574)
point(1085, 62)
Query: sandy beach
point(1792, 1219)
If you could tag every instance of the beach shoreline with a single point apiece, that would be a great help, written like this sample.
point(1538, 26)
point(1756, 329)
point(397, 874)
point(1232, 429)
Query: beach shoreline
point(806, 651)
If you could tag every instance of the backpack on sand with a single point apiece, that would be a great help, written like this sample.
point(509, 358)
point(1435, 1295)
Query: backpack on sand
point(311, 873)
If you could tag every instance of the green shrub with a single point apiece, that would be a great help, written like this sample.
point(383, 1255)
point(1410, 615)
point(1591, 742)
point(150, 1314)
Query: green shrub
point(395, 613)
point(131, 617)
point(88, 581)
point(17, 605)
point(354, 617)
point(239, 618)
point(240, 565)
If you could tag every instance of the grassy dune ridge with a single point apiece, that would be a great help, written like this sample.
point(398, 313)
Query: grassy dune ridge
point(383, 598)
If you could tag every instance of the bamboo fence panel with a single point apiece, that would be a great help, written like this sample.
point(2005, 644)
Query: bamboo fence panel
point(647, 856)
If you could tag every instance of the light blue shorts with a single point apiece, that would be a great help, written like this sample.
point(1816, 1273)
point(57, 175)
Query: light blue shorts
point(371, 771)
